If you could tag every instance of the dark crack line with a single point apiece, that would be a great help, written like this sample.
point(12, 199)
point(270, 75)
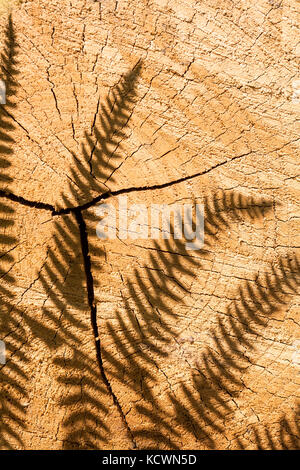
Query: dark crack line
point(25, 202)
point(118, 192)
point(93, 309)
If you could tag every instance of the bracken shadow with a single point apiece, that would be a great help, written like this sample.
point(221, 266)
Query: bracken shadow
point(285, 434)
point(219, 378)
point(13, 375)
point(145, 330)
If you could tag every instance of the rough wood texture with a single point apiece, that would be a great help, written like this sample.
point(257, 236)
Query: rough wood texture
point(122, 344)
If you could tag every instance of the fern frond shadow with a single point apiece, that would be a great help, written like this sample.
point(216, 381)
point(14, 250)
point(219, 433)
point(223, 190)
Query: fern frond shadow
point(101, 150)
point(220, 368)
point(144, 331)
point(284, 435)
